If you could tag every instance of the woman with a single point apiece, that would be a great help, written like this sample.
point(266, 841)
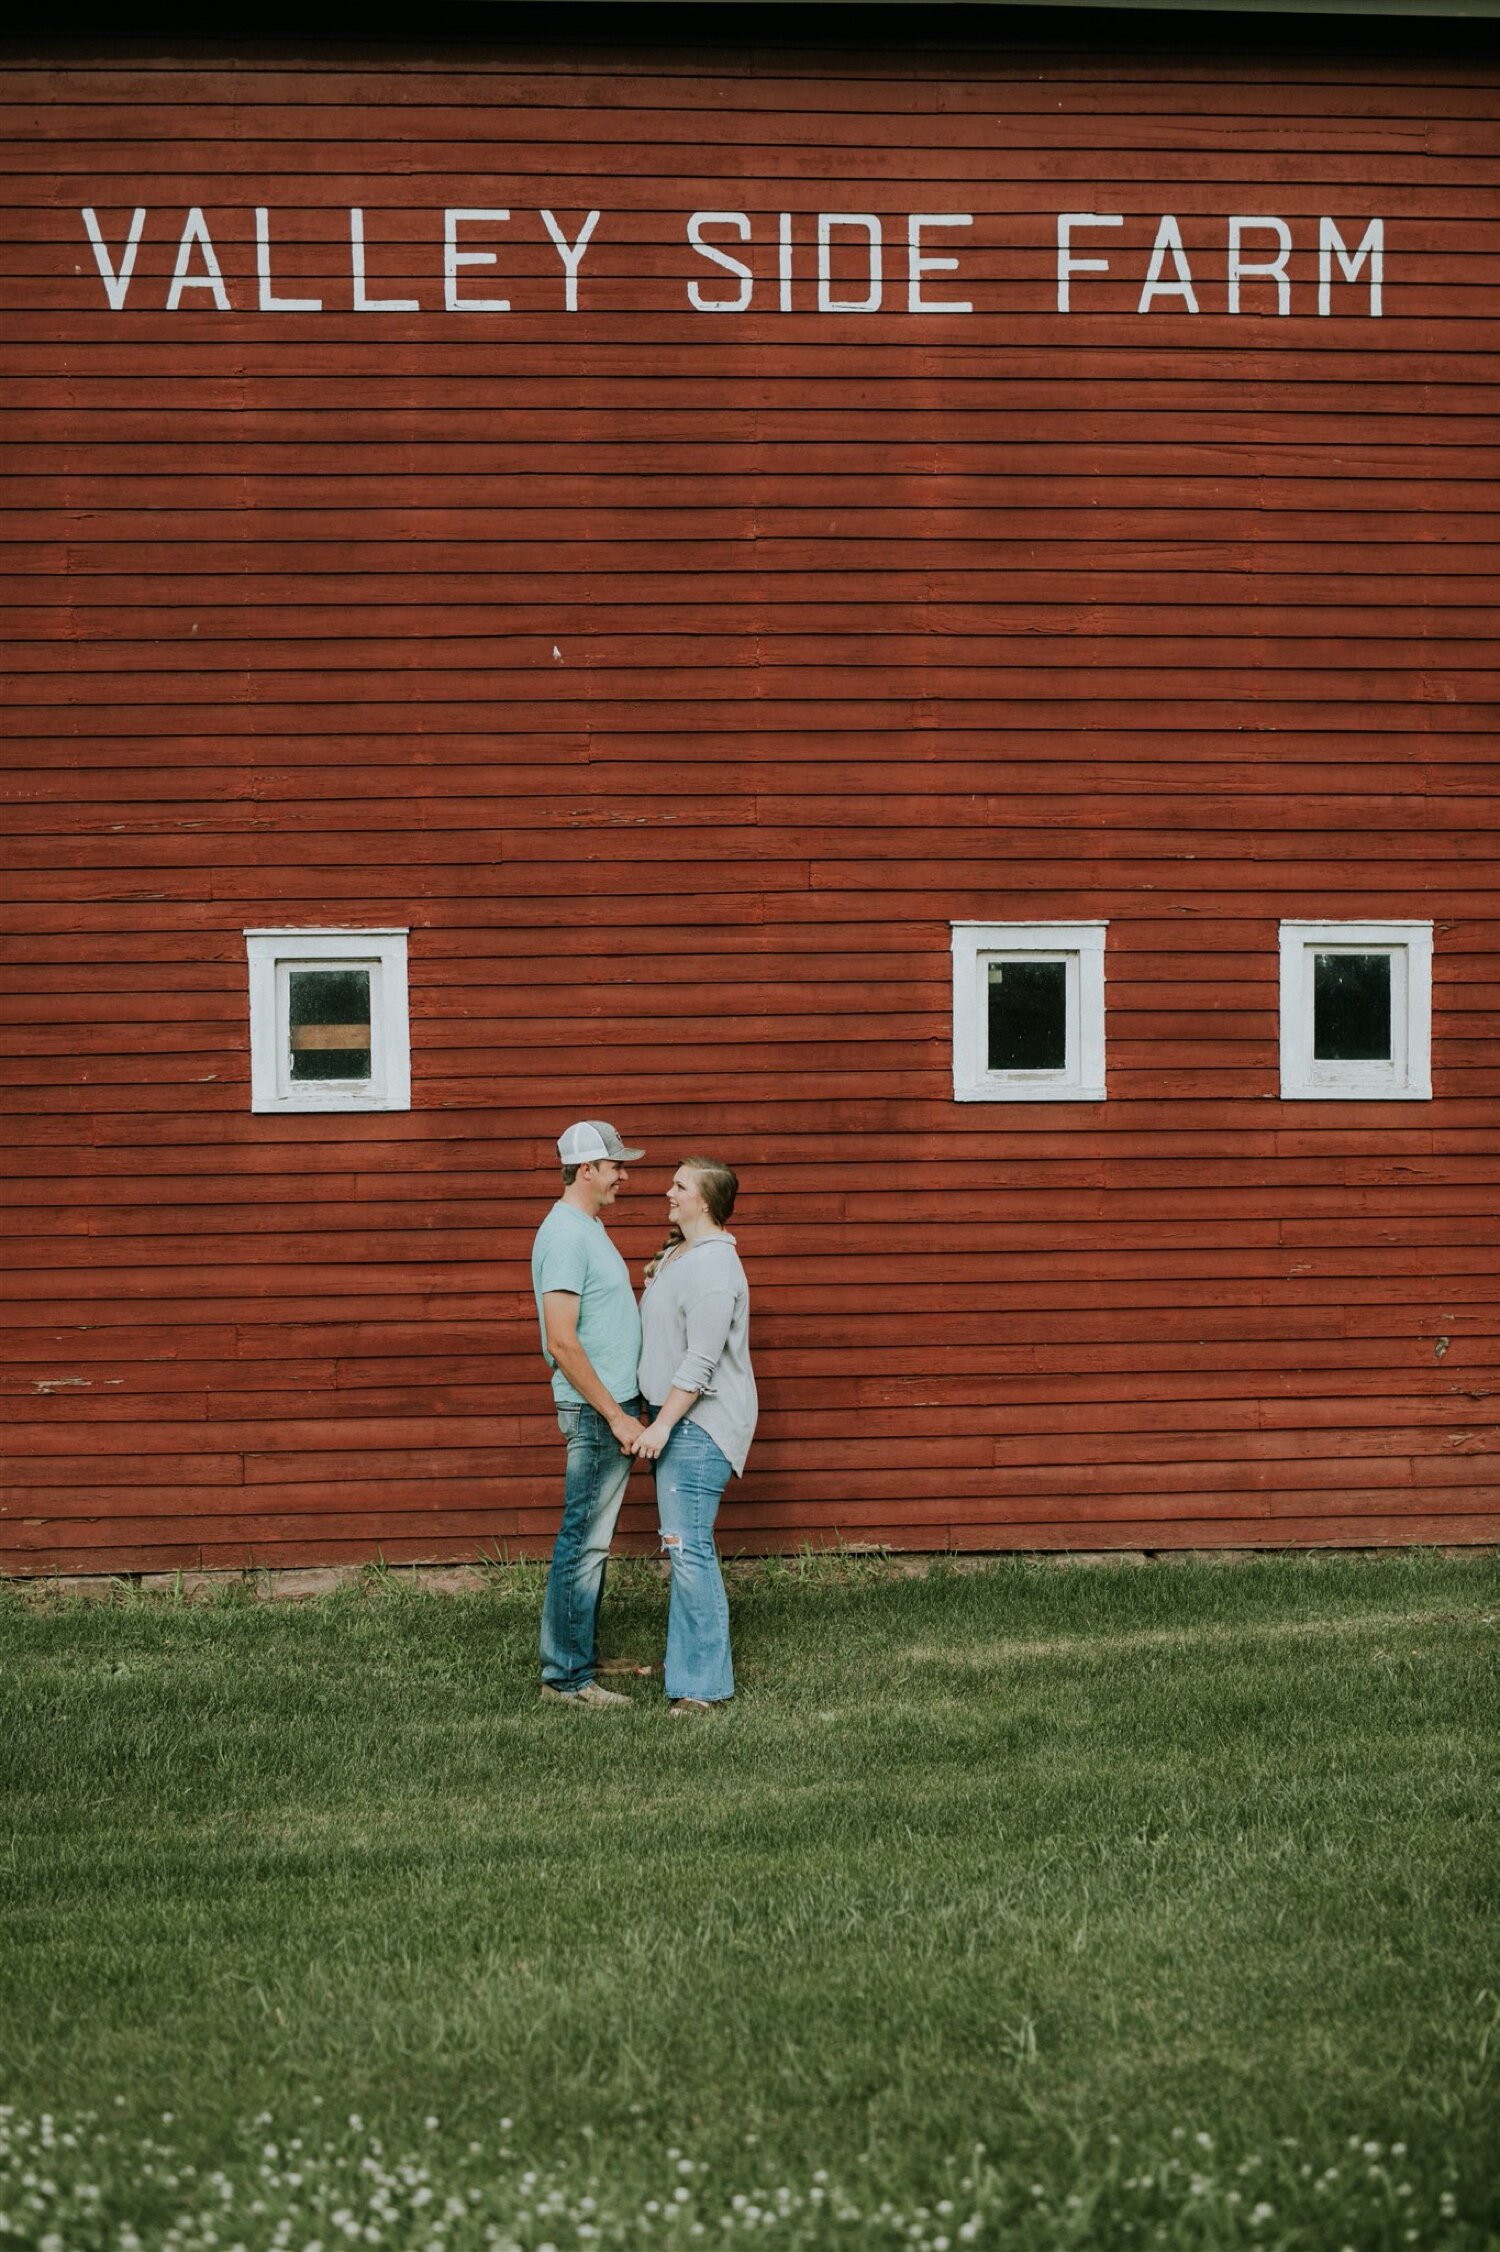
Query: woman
point(695, 1370)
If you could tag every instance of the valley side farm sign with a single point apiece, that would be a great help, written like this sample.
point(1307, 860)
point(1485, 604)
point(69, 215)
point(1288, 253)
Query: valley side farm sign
point(847, 262)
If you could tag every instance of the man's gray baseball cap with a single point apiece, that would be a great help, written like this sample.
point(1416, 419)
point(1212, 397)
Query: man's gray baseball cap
point(591, 1139)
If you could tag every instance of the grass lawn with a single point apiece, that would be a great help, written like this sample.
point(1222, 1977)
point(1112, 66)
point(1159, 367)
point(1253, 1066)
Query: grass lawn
point(1027, 1905)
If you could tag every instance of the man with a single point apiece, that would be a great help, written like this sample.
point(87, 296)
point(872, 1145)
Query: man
point(591, 1340)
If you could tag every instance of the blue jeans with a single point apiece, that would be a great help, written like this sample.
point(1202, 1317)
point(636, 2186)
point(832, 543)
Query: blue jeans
point(597, 1476)
point(690, 1480)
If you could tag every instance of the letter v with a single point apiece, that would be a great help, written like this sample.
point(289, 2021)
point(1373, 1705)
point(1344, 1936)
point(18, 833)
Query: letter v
point(115, 284)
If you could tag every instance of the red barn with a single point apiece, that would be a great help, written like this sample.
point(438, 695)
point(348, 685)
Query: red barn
point(905, 599)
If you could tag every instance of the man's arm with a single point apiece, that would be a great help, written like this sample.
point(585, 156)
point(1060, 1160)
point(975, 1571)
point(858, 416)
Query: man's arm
point(560, 1317)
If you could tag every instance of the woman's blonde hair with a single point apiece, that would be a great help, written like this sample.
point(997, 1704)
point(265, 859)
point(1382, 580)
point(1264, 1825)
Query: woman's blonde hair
point(718, 1185)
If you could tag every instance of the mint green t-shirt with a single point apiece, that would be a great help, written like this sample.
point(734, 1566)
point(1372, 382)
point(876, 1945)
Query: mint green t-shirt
point(574, 1253)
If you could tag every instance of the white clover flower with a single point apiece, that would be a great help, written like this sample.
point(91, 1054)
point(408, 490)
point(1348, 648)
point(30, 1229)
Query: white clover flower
point(1204, 2142)
point(1259, 2213)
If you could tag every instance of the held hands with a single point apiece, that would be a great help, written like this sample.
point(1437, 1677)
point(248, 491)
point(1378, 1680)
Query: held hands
point(648, 1446)
point(627, 1429)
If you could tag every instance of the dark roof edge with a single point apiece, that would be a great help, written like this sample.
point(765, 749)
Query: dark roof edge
point(1469, 28)
point(1474, 11)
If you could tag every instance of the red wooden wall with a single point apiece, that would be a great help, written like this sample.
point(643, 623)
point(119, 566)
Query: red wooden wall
point(678, 677)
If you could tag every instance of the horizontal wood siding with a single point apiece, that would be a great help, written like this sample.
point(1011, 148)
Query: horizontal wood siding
point(678, 678)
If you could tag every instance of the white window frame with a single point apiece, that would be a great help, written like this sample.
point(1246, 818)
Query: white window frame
point(1407, 1077)
point(1081, 947)
point(272, 955)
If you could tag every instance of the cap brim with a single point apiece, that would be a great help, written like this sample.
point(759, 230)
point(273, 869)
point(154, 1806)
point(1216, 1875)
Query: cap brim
point(629, 1156)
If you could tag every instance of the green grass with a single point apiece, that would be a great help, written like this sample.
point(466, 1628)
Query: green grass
point(1076, 1866)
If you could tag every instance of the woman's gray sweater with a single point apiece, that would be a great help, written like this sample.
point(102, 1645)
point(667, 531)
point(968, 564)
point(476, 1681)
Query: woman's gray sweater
point(695, 1333)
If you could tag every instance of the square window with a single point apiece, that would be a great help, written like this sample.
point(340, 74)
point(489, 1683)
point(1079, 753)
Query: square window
point(328, 1020)
point(1028, 1015)
point(1356, 1012)
point(1028, 1012)
point(1351, 1006)
point(328, 1013)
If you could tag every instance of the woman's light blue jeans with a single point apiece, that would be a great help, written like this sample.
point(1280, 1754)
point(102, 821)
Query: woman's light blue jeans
point(690, 1480)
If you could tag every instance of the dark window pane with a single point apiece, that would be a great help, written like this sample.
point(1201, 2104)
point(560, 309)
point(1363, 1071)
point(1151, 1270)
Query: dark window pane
point(330, 1023)
point(1352, 1008)
point(1028, 1029)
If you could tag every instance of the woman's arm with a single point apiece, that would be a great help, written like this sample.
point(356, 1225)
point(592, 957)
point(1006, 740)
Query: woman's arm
point(648, 1447)
point(708, 1317)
